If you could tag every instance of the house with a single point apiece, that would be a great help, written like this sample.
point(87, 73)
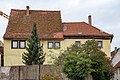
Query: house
point(116, 63)
point(1, 54)
point(53, 33)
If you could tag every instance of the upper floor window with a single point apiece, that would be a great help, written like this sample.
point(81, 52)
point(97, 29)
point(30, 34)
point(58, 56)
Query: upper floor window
point(14, 44)
point(57, 44)
point(22, 44)
point(78, 43)
point(18, 44)
point(53, 45)
point(50, 45)
point(100, 44)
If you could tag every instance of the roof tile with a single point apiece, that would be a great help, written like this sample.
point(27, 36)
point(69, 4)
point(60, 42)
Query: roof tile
point(20, 25)
point(82, 29)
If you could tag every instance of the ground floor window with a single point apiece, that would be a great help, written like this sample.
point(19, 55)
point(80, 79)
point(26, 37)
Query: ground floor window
point(53, 45)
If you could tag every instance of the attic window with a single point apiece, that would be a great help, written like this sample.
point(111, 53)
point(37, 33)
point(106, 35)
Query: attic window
point(43, 12)
point(64, 28)
point(79, 33)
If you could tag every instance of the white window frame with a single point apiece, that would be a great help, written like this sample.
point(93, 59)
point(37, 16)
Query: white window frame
point(101, 44)
point(24, 44)
point(50, 43)
point(12, 44)
point(54, 45)
point(78, 43)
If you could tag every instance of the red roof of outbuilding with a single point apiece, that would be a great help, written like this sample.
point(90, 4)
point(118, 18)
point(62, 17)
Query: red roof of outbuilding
point(82, 29)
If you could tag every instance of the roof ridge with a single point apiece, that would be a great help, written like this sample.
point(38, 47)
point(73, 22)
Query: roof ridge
point(98, 29)
point(36, 10)
point(87, 24)
point(71, 22)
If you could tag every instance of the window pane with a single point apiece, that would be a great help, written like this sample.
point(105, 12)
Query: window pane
point(77, 43)
point(99, 43)
point(22, 44)
point(50, 44)
point(14, 44)
point(57, 44)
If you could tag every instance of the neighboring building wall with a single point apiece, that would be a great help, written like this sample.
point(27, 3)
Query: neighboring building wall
point(116, 58)
point(13, 57)
point(117, 74)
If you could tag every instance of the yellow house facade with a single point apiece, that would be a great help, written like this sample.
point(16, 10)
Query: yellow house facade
point(14, 56)
point(52, 33)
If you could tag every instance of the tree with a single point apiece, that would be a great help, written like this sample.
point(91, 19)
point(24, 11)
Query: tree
point(34, 54)
point(75, 63)
point(100, 62)
point(79, 62)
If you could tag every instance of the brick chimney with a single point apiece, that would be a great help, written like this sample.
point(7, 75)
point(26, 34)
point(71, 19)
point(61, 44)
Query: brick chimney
point(27, 10)
point(90, 20)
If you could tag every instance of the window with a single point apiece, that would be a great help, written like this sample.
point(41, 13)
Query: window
point(100, 44)
point(14, 44)
point(77, 43)
point(57, 45)
point(53, 45)
point(50, 45)
point(22, 44)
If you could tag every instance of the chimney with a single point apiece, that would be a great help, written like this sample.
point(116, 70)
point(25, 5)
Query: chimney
point(27, 10)
point(115, 49)
point(89, 20)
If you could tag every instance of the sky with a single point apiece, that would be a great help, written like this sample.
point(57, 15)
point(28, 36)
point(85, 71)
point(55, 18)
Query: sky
point(105, 13)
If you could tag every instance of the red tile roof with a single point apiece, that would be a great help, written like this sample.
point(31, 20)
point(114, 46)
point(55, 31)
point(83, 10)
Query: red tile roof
point(117, 66)
point(49, 26)
point(20, 25)
point(82, 29)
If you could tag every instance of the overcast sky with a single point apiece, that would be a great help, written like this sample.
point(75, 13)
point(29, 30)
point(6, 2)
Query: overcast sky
point(105, 13)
